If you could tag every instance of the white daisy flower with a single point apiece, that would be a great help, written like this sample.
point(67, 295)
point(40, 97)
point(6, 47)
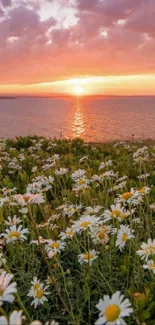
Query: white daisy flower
point(13, 221)
point(88, 257)
point(100, 235)
point(92, 210)
point(26, 199)
point(78, 174)
point(147, 249)
point(14, 319)
point(7, 289)
point(86, 222)
point(116, 212)
point(132, 197)
point(15, 233)
point(56, 246)
point(113, 310)
point(123, 234)
point(38, 292)
point(61, 171)
point(69, 233)
point(150, 266)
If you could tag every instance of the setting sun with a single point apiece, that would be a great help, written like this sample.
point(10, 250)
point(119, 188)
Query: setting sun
point(78, 90)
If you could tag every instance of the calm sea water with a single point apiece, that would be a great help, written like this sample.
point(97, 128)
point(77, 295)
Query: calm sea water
point(93, 119)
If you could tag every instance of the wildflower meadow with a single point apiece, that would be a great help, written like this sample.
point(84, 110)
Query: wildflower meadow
point(77, 232)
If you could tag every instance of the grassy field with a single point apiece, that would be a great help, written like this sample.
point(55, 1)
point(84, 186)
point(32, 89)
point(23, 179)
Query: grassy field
point(77, 229)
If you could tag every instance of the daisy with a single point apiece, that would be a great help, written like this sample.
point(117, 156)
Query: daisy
point(147, 249)
point(28, 198)
point(131, 197)
point(14, 319)
point(13, 221)
point(13, 233)
point(123, 234)
point(105, 164)
point(100, 235)
point(88, 257)
point(69, 233)
point(144, 190)
point(69, 210)
point(7, 289)
point(81, 184)
point(150, 266)
point(113, 310)
point(38, 292)
point(92, 210)
point(116, 212)
point(55, 246)
point(78, 174)
point(86, 222)
point(61, 171)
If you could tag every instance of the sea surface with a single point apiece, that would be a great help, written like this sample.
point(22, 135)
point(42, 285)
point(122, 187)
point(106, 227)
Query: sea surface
point(93, 119)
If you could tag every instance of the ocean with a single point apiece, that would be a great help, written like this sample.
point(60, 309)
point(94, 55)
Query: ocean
point(94, 119)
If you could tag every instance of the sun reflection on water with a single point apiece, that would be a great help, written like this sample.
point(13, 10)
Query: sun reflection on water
point(78, 126)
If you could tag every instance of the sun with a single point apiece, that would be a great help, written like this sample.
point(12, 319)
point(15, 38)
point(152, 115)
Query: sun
point(78, 90)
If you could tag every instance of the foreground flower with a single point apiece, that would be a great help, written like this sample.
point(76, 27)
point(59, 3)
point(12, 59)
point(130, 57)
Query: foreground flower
point(150, 266)
point(13, 221)
point(88, 257)
point(116, 212)
point(38, 292)
point(13, 233)
point(7, 289)
point(124, 233)
point(16, 318)
point(113, 310)
point(55, 246)
point(26, 199)
point(100, 235)
point(147, 249)
point(86, 222)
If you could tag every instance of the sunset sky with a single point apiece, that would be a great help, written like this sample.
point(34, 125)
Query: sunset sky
point(77, 46)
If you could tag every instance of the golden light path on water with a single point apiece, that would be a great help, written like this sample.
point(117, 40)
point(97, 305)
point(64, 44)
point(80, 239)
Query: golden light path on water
point(78, 126)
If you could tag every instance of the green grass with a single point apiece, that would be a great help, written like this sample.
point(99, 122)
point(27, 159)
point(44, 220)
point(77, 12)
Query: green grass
point(77, 288)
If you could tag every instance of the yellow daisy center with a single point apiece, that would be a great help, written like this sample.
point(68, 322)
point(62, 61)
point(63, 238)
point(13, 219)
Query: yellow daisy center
point(123, 216)
point(88, 256)
point(127, 195)
point(69, 210)
point(102, 235)
point(115, 213)
point(82, 181)
point(152, 266)
point(112, 312)
point(124, 237)
point(85, 224)
point(51, 280)
point(26, 198)
point(150, 250)
point(142, 190)
point(55, 245)
point(14, 234)
point(36, 286)
point(69, 233)
point(40, 294)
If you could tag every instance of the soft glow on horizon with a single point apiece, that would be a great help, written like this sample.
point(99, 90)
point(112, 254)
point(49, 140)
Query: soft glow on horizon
point(78, 90)
point(87, 85)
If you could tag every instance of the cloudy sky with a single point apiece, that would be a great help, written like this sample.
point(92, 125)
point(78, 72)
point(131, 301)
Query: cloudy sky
point(104, 42)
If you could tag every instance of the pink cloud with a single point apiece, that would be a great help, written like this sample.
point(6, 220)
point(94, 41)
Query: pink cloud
point(6, 3)
point(35, 50)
